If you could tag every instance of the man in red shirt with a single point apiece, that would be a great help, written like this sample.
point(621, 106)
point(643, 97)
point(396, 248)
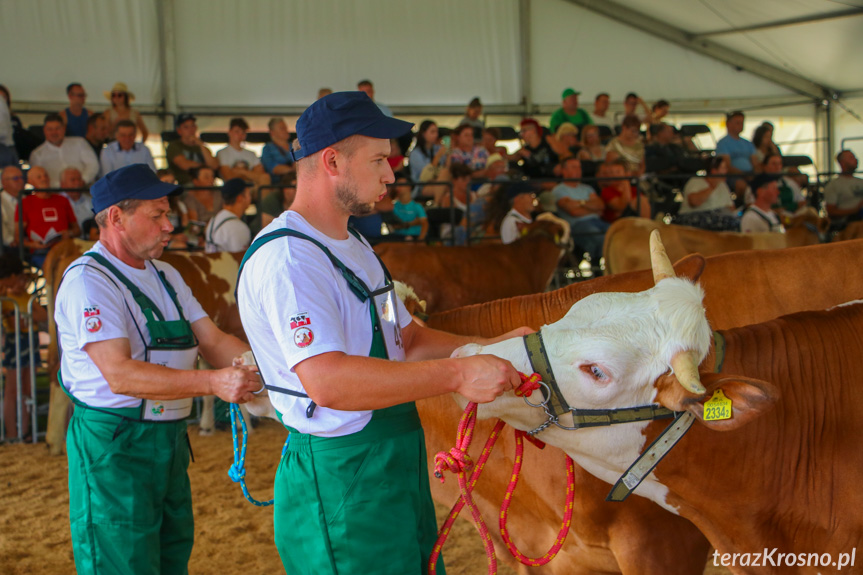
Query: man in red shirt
point(48, 218)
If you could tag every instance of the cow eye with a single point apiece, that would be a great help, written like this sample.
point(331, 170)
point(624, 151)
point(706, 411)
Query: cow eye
point(595, 371)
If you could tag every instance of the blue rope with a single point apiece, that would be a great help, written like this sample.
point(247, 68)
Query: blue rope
point(237, 472)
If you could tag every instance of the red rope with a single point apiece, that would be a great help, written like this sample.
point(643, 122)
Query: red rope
point(458, 460)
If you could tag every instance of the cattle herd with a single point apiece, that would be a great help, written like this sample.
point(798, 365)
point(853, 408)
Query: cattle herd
point(768, 328)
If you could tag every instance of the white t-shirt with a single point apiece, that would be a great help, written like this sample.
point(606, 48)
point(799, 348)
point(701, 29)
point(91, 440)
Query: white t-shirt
point(229, 157)
point(91, 308)
point(844, 192)
point(753, 221)
point(8, 204)
point(508, 228)
point(295, 304)
point(225, 232)
point(720, 197)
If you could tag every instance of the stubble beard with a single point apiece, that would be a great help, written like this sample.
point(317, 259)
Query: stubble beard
point(347, 197)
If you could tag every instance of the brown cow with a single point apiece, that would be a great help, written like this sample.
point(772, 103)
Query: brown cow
point(450, 277)
point(625, 240)
point(741, 288)
point(780, 483)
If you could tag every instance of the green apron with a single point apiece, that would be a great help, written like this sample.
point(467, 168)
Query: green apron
point(359, 503)
point(130, 501)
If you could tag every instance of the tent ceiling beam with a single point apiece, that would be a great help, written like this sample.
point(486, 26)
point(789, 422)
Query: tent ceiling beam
point(782, 23)
point(660, 29)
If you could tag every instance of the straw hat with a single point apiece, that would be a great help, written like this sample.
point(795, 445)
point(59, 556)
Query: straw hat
point(120, 87)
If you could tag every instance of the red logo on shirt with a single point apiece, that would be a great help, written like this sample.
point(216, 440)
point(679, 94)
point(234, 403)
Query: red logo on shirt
point(300, 320)
point(94, 324)
point(303, 337)
point(90, 311)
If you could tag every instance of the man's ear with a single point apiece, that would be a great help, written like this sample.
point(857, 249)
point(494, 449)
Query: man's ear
point(330, 161)
point(115, 216)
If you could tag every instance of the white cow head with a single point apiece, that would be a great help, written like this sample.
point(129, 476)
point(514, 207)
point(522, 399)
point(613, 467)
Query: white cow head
point(608, 352)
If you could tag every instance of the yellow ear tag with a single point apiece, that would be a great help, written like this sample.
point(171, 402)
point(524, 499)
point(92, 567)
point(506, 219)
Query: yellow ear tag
point(717, 407)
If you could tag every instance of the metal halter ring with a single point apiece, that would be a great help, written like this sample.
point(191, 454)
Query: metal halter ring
point(546, 395)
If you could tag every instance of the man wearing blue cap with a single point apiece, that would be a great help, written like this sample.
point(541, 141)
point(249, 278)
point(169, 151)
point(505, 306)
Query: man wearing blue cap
point(130, 331)
point(343, 362)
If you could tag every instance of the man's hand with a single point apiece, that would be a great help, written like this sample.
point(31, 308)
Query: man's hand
point(485, 377)
point(236, 384)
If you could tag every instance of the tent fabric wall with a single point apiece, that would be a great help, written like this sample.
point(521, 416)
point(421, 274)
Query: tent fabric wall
point(47, 44)
point(276, 53)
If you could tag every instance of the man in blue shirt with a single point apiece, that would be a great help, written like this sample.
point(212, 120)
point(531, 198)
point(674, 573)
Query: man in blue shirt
point(740, 153)
point(276, 155)
point(124, 151)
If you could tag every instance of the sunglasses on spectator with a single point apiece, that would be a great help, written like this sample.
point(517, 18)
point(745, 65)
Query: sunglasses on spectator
point(117, 94)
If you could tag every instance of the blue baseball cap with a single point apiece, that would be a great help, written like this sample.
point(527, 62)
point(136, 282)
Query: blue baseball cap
point(133, 182)
point(340, 115)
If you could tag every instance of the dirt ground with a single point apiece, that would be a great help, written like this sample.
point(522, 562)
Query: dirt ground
point(231, 535)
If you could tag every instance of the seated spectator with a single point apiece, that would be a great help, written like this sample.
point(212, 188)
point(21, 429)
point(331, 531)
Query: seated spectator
point(82, 203)
point(97, 133)
point(843, 196)
point(663, 155)
point(25, 140)
point(739, 152)
point(60, 152)
point(495, 172)
point(592, 149)
point(48, 218)
point(226, 231)
point(412, 223)
point(324, 92)
point(460, 198)
point(537, 155)
point(579, 204)
point(628, 146)
point(564, 142)
point(473, 115)
point(791, 197)
point(760, 217)
point(620, 197)
point(188, 151)
point(8, 155)
point(12, 180)
point(630, 108)
point(13, 285)
point(707, 202)
point(600, 115)
point(490, 136)
point(464, 151)
point(275, 203)
point(425, 158)
point(75, 117)
point(762, 139)
point(396, 157)
point(521, 196)
point(276, 155)
point(202, 201)
point(369, 88)
point(124, 150)
point(121, 109)
point(178, 214)
point(659, 110)
point(235, 161)
point(569, 112)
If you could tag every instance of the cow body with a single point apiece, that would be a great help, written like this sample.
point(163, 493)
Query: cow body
point(636, 536)
point(782, 473)
point(450, 277)
point(624, 241)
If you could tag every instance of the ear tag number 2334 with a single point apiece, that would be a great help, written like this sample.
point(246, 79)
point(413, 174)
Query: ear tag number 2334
point(717, 407)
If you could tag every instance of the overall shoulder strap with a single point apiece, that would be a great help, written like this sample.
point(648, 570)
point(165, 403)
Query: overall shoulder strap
point(358, 235)
point(145, 303)
point(214, 228)
point(357, 286)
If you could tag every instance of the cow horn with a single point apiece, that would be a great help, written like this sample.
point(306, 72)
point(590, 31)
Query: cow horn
point(685, 367)
point(662, 267)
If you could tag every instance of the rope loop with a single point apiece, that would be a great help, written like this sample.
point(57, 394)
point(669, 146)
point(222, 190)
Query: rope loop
point(529, 384)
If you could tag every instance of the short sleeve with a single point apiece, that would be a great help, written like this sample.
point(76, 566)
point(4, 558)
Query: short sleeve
point(91, 307)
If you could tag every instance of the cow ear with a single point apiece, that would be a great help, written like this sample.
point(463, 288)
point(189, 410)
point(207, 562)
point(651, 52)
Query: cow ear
point(750, 398)
point(690, 267)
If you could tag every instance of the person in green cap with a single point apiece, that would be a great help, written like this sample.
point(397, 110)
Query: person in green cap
point(344, 362)
point(569, 112)
point(131, 331)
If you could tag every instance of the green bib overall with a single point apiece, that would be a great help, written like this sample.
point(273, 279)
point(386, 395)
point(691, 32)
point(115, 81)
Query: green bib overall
point(130, 501)
point(358, 503)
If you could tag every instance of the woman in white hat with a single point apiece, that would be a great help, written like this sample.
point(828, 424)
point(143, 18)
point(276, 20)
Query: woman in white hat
point(120, 97)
